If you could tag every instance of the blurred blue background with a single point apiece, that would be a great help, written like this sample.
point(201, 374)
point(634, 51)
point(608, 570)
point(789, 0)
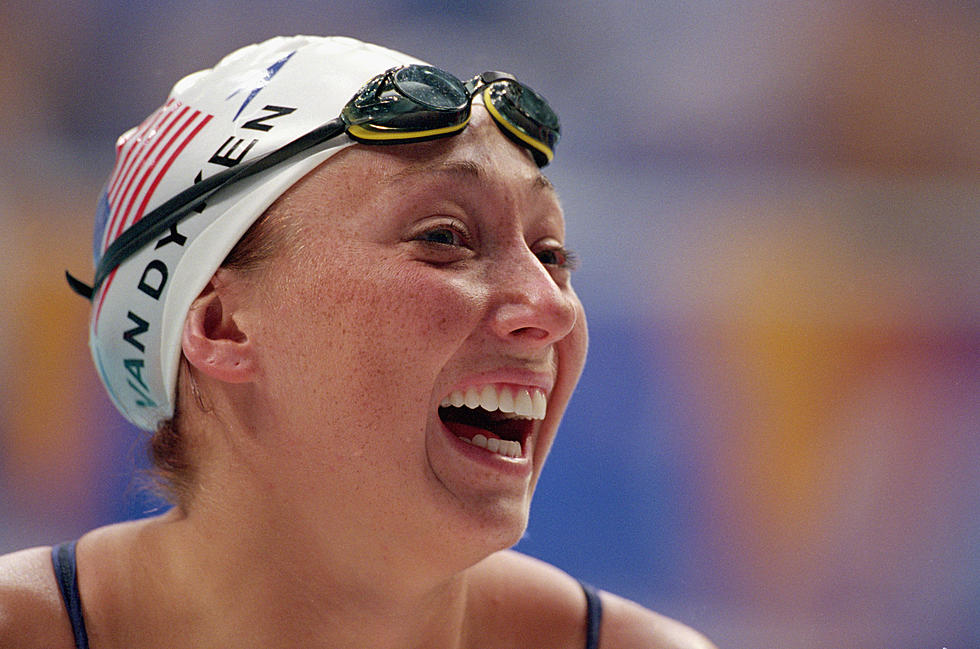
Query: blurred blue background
point(777, 205)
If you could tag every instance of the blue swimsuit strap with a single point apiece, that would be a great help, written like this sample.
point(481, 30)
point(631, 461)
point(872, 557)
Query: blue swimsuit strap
point(593, 615)
point(63, 560)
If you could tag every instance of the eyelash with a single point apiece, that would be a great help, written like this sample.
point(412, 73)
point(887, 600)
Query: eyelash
point(568, 258)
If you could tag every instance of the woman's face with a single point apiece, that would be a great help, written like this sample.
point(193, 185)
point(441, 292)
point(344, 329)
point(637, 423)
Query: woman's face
point(419, 274)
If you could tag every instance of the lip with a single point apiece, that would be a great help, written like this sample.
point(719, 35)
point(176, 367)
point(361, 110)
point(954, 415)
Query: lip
point(517, 467)
point(519, 378)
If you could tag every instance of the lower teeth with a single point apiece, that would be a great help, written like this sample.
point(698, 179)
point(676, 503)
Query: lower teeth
point(503, 447)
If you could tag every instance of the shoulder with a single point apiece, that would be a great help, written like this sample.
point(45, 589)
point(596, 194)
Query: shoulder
point(31, 612)
point(626, 625)
point(550, 605)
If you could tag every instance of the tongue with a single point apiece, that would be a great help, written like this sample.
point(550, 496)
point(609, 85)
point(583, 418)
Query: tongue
point(466, 431)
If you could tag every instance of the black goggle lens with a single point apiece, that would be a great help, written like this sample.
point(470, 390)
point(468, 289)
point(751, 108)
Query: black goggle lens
point(417, 102)
point(525, 117)
point(431, 87)
point(533, 105)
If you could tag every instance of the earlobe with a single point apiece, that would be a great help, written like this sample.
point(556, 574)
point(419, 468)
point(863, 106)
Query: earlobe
point(213, 342)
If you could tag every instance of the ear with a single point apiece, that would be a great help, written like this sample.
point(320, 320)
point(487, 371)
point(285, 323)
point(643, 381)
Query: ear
point(212, 340)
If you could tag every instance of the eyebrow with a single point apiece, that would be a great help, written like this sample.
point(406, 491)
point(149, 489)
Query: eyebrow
point(466, 168)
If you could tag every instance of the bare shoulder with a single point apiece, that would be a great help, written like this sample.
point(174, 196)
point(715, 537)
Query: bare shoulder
point(31, 612)
point(551, 607)
point(627, 625)
point(543, 606)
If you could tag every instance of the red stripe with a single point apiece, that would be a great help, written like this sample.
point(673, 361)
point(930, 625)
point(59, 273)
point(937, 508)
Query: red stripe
point(129, 141)
point(125, 180)
point(138, 172)
point(130, 166)
point(131, 145)
point(156, 181)
point(105, 291)
point(124, 150)
point(146, 167)
point(170, 161)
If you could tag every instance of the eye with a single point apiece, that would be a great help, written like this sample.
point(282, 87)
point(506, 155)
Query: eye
point(442, 240)
point(559, 258)
point(442, 235)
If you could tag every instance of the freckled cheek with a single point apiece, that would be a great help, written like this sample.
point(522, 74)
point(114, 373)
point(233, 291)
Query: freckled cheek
point(379, 328)
point(443, 309)
point(420, 302)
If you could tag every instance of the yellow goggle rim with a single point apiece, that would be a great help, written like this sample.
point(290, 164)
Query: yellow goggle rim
point(521, 135)
point(381, 133)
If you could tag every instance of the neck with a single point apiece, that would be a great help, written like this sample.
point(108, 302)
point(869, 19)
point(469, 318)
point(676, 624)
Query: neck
point(258, 593)
point(269, 553)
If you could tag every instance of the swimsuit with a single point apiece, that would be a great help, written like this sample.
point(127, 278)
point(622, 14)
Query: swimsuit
point(63, 559)
point(593, 615)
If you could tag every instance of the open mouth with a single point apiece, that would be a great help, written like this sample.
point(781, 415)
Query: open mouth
point(497, 418)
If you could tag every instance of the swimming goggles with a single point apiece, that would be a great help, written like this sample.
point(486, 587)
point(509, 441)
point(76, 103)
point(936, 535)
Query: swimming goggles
point(405, 104)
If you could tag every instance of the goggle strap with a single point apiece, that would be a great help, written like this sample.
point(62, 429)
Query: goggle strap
point(178, 207)
point(79, 286)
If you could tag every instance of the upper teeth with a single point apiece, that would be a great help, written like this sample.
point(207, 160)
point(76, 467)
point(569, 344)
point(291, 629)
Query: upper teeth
point(522, 402)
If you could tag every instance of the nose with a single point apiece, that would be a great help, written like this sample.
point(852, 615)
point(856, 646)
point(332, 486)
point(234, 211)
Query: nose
point(530, 307)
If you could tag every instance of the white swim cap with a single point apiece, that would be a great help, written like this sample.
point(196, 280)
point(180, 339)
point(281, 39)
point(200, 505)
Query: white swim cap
point(254, 101)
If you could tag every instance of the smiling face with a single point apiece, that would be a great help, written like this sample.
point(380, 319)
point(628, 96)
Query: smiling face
point(418, 342)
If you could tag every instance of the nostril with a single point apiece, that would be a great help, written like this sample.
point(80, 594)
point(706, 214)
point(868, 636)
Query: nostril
point(529, 332)
point(535, 320)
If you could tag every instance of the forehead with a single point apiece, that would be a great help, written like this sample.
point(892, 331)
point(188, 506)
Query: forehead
point(480, 157)
point(470, 171)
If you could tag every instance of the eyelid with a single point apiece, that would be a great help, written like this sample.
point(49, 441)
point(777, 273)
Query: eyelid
point(441, 222)
point(554, 245)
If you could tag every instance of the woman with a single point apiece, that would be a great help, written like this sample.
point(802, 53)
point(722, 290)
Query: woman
point(355, 359)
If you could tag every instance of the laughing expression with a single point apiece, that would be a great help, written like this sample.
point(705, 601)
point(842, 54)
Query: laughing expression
point(420, 340)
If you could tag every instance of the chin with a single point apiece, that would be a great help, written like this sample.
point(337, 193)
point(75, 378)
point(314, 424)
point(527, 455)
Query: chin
point(484, 529)
point(507, 533)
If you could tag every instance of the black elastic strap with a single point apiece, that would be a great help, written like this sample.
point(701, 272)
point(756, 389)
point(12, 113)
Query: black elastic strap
point(593, 615)
point(79, 286)
point(177, 208)
point(63, 560)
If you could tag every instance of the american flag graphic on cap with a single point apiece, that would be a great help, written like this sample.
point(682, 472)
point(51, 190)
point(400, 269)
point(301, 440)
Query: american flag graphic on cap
point(143, 157)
